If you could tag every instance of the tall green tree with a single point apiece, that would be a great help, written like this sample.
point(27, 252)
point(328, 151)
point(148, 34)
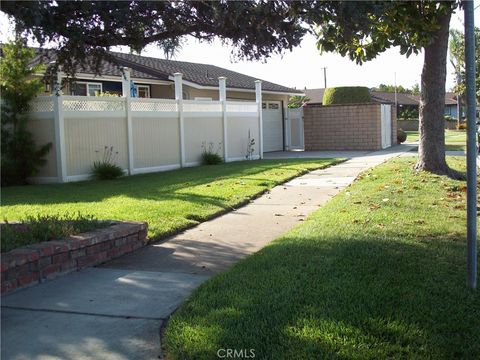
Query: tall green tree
point(363, 30)
point(20, 157)
point(457, 59)
point(391, 89)
point(415, 90)
point(85, 30)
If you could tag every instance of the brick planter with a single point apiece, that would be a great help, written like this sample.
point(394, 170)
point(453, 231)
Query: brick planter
point(35, 263)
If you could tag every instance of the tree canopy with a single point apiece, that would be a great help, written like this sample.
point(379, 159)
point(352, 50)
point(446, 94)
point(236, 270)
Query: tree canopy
point(20, 156)
point(83, 31)
point(415, 90)
point(457, 59)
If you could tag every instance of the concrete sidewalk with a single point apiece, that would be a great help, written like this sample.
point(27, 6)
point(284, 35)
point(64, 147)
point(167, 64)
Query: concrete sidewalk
point(115, 311)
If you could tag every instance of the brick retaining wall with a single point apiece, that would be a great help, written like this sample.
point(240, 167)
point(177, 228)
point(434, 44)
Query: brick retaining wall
point(35, 263)
point(345, 127)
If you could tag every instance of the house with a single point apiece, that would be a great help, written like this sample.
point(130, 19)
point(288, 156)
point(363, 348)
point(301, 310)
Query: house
point(407, 104)
point(153, 78)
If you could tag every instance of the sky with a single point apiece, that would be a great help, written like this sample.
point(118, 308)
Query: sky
point(303, 67)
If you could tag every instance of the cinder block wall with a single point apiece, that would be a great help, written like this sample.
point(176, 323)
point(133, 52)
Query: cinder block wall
point(394, 126)
point(345, 127)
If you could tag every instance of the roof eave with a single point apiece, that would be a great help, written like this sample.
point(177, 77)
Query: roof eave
point(208, 87)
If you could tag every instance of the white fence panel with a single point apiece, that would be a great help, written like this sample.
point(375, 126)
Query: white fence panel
point(92, 124)
point(153, 105)
point(202, 106)
point(42, 104)
point(85, 103)
point(296, 130)
point(241, 107)
point(386, 120)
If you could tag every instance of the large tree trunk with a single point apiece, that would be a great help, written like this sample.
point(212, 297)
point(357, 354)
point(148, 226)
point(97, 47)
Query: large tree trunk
point(431, 152)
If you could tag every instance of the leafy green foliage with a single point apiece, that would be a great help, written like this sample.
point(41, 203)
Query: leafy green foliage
point(401, 136)
point(106, 171)
point(106, 168)
point(169, 201)
point(35, 229)
point(211, 156)
point(415, 90)
point(362, 30)
point(83, 31)
point(297, 101)
point(457, 59)
point(370, 275)
point(20, 157)
point(408, 113)
point(346, 95)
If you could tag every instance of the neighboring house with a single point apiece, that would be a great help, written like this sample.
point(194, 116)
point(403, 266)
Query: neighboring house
point(450, 104)
point(406, 103)
point(153, 78)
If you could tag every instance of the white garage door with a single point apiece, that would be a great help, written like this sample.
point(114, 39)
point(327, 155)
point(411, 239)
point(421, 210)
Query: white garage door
point(272, 126)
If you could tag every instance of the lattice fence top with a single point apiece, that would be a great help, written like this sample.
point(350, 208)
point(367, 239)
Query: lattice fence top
point(192, 106)
point(241, 106)
point(153, 105)
point(94, 104)
point(42, 104)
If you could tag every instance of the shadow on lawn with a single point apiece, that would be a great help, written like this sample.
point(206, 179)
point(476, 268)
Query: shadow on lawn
point(336, 298)
point(155, 186)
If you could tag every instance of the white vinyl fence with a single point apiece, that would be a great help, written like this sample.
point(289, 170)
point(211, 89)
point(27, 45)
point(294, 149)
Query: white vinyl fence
point(146, 135)
point(295, 129)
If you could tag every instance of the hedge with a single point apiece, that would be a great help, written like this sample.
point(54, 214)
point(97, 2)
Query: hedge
point(346, 95)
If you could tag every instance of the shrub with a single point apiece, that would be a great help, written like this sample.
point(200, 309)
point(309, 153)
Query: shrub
point(21, 158)
point(449, 118)
point(34, 229)
point(297, 101)
point(408, 114)
point(250, 146)
point(401, 136)
point(461, 126)
point(106, 168)
point(346, 95)
point(209, 156)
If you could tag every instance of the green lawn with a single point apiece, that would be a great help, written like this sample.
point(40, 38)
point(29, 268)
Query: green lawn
point(168, 201)
point(377, 273)
point(454, 139)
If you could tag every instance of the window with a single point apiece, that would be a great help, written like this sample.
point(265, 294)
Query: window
point(273, 106)
point(86, 89)
point(264, 105)
point(143, 91)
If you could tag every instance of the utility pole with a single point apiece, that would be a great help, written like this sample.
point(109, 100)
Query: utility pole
point(472, 151)
point(395, 83)
point(325, 76)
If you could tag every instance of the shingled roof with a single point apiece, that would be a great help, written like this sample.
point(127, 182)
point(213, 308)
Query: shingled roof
point(149, 68)
point(402, 99)
point(200, 74)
